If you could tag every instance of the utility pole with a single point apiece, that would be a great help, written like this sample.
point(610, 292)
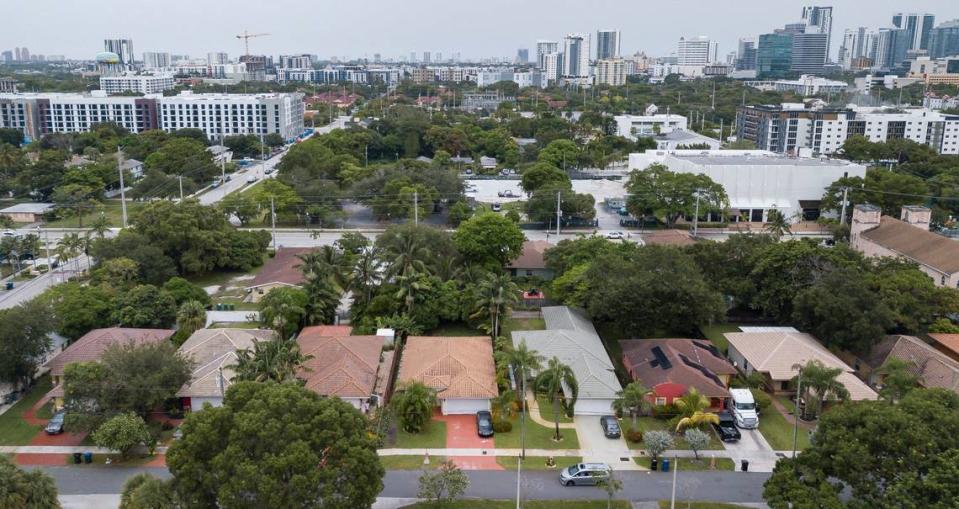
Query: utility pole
point(842, 215)
point(273, 221)
point(796, 413)
point(721, 130)
point(123, 194)
point(672, 497)
point(416, 208)
point(559, 212)
point(713, 107)
point(519, 474)
point(696, 216)
point(180, 179)
point(222, 159)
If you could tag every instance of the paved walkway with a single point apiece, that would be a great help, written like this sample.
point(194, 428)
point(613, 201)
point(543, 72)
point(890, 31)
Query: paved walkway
point(536, 417)
point(597, 448)
point(461, 434)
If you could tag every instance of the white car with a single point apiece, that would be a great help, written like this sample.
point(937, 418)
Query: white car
point(497, 207)
point(615, 236)
point(251, 179)
point(8, 233)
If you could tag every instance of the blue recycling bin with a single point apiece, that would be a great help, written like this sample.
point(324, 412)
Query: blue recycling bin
point(9, 285)
point(665, 464)
point(88, 457)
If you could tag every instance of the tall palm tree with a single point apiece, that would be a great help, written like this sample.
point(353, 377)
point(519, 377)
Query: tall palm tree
point(277, 360)
point(99, 227)
point(819, 383)
point(523, 360)
point(497, 295)
point(558, 382)
point(322, 300)
point(778, 224)
point(633, 400)
point(367, 273)
point(191, 316)
point(409, 286)
point(693, 406)
point(72, 245)
point(410, 254)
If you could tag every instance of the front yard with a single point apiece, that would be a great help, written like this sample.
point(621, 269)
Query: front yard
point(704, 463)
point(779, 432)
point(654, 424)
point(14, 430)
point(433, 436)
point(546, 411)
point(537, 437)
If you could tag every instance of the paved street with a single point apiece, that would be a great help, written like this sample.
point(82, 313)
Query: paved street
point(26, 290)
point(638, 486)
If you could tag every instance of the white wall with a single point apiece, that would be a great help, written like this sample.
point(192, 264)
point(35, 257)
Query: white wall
point(464, 406)
point(593, 407)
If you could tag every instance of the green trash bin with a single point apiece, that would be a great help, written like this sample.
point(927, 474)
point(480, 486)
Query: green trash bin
point(232, 307)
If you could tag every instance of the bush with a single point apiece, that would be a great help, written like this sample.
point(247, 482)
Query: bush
point(762, 399)
point(665, 411)
point(502, 426)
point(634, 435)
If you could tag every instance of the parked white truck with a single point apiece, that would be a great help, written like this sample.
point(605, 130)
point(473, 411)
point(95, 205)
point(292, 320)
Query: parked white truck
point(743, 408)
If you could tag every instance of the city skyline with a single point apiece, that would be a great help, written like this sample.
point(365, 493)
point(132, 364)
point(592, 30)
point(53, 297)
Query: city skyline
point(78, 31)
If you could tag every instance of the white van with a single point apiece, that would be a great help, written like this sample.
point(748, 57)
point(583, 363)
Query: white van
point(743, 408)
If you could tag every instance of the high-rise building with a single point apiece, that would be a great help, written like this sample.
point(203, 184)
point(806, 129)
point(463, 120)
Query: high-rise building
point(746, 55)
point(217, 58)
point(552, 67)
point(522, 56)
point(820, 17)
point(377, 58)
point(774, 54)
point(917, 26)
point(438, 57)
point(891, 47)
point(809, 51)
point(23, 55)
point(296, 61)
point(122, 47)
point(545, 48)
point(6, 56)
point(856, 43)
point(611, 71)
point(426, 57)
point(607, 44)
point(944, 40)
point(412, 57)
point(155, 60)
point(576, 58)
point(696, 51)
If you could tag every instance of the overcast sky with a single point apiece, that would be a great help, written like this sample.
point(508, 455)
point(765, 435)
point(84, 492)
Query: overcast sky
point(358, 28)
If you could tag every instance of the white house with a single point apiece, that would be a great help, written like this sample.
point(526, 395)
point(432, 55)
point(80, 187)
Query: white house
point(214, 352)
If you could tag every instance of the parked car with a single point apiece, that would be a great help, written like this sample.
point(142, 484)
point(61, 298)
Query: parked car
point(55, 424)
point(215, 184)
point(8, 234)
point(584, 474)
point(726, 428)
point(506, 194)
point(251, 179)
point(484, 423)
point(610, 426)
point(615, 236)
point(267, 171)
point(497, 207)
point(178, 433)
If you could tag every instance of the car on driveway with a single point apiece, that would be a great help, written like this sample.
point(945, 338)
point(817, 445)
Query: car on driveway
point(55, 424)
point(610, 426)
point(497, 207)
point(584, 474)
point(615, 236)
point(726, 428)
point(484, 424)
point(506, 194)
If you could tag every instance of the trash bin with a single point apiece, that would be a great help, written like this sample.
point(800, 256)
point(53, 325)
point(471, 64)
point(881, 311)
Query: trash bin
point(88, 457)
point(9, 285)
point(77, 458)
point(232, 306)
point(219, 307)
point(652, 464)
point(665, 465)
point(744, 465)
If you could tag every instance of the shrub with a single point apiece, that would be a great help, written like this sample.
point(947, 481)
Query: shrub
point(634, 435)
point(665, 411)
point(502, 426)
point(762, 399)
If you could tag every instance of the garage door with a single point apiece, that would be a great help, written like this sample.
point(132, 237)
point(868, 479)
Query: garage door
point(464, 406)
point(593, 407)
point(197, 403)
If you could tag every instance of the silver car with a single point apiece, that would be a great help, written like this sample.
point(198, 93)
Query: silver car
point(584, 474)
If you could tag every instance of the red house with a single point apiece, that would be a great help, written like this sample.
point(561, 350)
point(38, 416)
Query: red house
point(669, 367)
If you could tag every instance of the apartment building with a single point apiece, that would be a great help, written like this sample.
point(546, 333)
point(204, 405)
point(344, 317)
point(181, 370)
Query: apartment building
point(140, 83)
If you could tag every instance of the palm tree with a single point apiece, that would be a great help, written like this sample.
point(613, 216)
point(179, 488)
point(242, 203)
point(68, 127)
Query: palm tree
point(191, 317)
point(367, 273)
point(497, 294)
point(409, 286)
point(555, 382)
point(634, 399)
point(277, 360)
point(69, 247)
point(323, 299)
point(777, 225)
point(414, 403)
point(409, 254)
point(100, 226)
point(819, 383)
point(693, 406)
point(523, 361)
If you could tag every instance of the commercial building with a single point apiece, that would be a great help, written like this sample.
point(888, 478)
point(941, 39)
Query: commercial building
point(942, 71)
point(944, 40)
point(545, 48)
point(774, 55)
point(821, 18)
point(552, 67)
point(155, 60)
point(857, 43)
point(8, 85)
point(696, 51)
point(917, 26)
point(607, 44)
point(746, 55)
point(522, 56)
point(611, 71)
point(810, 51)
point(217, 58)
point(214, 114)
point(805, 86)
point(757, 181)
point(296, 61)
point(576, 59)
point(123, 48)
point(140, 83)
point(639, 126)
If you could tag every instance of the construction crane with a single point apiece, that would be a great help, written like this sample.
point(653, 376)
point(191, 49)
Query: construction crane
point(246, 39)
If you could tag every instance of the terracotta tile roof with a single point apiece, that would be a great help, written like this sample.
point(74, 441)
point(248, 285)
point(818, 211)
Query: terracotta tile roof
point(678, 238)
point(329, 330)
point(689, 362)
point(925, 247)
point(92, 345)
point(777, 352)
point(532, 255)
point(934, 369)
point(342, 365)
point(949, 341)
point(282, 268)
point(458, 367)
point(214, 352)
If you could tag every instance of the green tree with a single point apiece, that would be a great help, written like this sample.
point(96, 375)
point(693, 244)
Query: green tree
point(24, 341)
point(489, 239)
point(184, 291)
point(117, 274)
point(414, 403)
point(122, 432)
point(633, 399)
point(561, 154)
point(277, 360)
point(458, 213)
point(819, 383)
point(306, 445)
point(543, 174)
point(241, 205)
point(155, 267)
point(497, 293)
point(79, 308)
point(693, 408)
point(183, 156)
point(282, 196)
point(283, 309)
point(523, 360)
point(554, 382)
point(669, 195)
point(657, 442)
point(29, 490)
point(696, 439)
point(610, 486)
point(145, 306)
point(441, 487)
point(898, 379)
point(541, 206)
point(143, 491)
point(777, 224)
point(191, 317)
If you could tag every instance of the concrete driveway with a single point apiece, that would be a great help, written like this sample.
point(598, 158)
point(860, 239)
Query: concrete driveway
point(597, 448)
point(754, 448)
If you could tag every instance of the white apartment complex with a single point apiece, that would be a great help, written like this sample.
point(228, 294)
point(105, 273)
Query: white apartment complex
point(140, 83)
point(611, 71)
point(805, 86)
point(696, 51)
point(576, 54)
point(637, 126)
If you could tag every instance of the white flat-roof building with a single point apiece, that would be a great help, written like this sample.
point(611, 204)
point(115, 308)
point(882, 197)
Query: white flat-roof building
point(757, 181)
point(805, 86)
point(140, 83)
point(636, 126)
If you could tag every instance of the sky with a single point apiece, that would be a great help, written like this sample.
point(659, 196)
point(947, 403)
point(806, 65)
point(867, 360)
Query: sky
point(394, 28)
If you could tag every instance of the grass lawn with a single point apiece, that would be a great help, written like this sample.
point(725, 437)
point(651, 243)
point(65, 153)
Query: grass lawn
point(529, 504)
point(531, 463)
point(546, 411)
point(653, 424)
point(714, 333)
point(13, 429)
point(691, 464)
point(111, 210)
point(537, 437)
point(433, 436)
point(779, 433)
point(410, 462)
point(220, 277)
point(664, 504)
point(511, 324)
point(456, 329)
point(234, 325)
point(46, 411)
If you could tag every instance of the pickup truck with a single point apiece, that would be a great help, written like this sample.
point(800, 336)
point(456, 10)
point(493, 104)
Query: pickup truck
point(726, 429)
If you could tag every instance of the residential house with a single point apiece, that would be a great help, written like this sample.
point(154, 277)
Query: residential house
point(531, 261)
point(27, 212)
point(352, 368)
point(459, 369)
point(933, 368)
point(571, 337)
point(90, 347)
point(669, 368)
point(487, 163)
point(283, 270)
point(215, 353)
point(220, 153)
point(133, 167)
point(948, 344)
point(776, 352)
point(909, 237)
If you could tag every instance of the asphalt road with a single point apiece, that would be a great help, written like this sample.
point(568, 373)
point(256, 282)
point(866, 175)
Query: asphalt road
point(535, 485)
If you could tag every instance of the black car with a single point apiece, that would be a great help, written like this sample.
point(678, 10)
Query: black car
point(55, 424)
point(484, 423)
point(610, 426)
point(726, 429)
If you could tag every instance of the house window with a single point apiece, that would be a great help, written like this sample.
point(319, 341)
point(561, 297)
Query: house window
point(784, 385)
point(660, 401)
point(529, 273)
